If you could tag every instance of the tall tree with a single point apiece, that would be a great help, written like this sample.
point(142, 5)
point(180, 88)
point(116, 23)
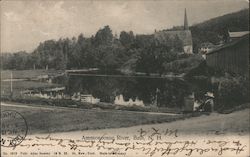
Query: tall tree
point(104, 36)
point(127, 38)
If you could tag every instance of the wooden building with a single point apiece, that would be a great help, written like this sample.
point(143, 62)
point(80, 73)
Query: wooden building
point(233, 57)
point(236, 35)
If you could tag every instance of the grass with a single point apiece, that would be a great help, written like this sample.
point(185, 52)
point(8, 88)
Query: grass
point(56, 119)
point(19, 86)
point(26, 74)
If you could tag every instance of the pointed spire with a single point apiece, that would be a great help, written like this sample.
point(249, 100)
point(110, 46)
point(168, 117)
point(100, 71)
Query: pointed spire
point(185, 21)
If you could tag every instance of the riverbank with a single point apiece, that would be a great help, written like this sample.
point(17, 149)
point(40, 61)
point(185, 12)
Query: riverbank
point(85, 105)
point(26, 79)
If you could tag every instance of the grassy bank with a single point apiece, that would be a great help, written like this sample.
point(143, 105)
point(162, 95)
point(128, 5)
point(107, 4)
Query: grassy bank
point(48, 119)
point(28, 83)
point(84, 105)
point(19, 86)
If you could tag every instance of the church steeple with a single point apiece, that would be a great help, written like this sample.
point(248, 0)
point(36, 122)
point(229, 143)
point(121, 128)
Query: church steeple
point(185, 21)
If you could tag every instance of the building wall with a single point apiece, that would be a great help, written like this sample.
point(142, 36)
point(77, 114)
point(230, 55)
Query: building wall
point(234, 58)
point(188, 49)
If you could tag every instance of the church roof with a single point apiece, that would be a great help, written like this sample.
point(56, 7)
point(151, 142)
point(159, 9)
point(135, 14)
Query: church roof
point(184, 35)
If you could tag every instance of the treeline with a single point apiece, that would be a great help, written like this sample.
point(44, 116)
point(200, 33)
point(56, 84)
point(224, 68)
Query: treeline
point(19, 60)
point(127, 52)
point(104, 50)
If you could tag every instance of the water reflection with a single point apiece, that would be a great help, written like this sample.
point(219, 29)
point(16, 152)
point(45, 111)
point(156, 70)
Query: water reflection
point(130, 90)
point(119, 100)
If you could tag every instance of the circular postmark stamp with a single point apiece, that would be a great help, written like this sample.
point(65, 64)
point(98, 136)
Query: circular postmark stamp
point(14, 128)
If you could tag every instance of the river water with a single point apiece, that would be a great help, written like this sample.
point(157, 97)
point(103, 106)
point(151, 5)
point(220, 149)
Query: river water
point(146, 91)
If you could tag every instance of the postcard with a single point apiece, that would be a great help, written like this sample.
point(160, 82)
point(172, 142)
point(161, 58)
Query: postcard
point(125, 78)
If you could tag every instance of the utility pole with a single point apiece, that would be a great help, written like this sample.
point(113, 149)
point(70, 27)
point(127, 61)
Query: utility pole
point(11, 84)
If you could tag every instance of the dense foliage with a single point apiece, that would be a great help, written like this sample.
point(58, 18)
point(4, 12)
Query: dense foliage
point(104, 51)
point(128, 52)
point(232, 91)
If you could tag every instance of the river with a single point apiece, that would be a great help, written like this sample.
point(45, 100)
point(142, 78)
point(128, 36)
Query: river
point(146, 91)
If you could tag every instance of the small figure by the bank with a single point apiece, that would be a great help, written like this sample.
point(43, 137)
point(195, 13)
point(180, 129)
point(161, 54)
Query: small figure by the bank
point(207, 105)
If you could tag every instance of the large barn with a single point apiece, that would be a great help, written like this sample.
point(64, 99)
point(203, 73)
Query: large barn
point(232, 57)
point(184, 35)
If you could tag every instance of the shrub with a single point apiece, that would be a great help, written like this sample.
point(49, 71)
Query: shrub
point(184, 64)
point(232, 92)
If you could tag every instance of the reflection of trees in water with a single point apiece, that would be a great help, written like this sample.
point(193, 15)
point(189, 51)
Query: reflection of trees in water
point(153, 91)
point(173, 93)
point(200, 87)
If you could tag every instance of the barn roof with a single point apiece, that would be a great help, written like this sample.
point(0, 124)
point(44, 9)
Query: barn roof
point(245, 37)
point(237, 34)
point(184, 35)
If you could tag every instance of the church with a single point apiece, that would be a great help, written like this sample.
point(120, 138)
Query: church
point(184, 35)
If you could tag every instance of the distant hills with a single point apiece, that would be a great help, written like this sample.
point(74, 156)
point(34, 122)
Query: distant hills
point(216, 30)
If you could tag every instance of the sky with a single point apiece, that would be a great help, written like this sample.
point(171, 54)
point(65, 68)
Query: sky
point(26, 23)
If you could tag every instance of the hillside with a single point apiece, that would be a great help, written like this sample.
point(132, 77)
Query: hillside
point(216, 29)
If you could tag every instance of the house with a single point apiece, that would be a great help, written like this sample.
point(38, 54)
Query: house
point(184, 35)
point(85, 98)
point(205, 48)
point(233, 57)
point(89, 98)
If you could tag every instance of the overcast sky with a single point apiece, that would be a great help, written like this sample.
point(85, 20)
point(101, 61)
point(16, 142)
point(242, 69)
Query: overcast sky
point(26, 23)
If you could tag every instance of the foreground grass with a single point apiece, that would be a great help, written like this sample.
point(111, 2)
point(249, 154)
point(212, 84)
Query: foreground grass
point(44, 119)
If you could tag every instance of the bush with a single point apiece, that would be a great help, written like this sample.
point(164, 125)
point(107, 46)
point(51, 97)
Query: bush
point(183, 64)
point(232, 92)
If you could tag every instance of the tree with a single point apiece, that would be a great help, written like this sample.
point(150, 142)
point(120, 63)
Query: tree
point(177, 44)
point(127, 39)
point(104, 37)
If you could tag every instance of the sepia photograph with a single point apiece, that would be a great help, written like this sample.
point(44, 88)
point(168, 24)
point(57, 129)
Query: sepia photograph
point(125, 78)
